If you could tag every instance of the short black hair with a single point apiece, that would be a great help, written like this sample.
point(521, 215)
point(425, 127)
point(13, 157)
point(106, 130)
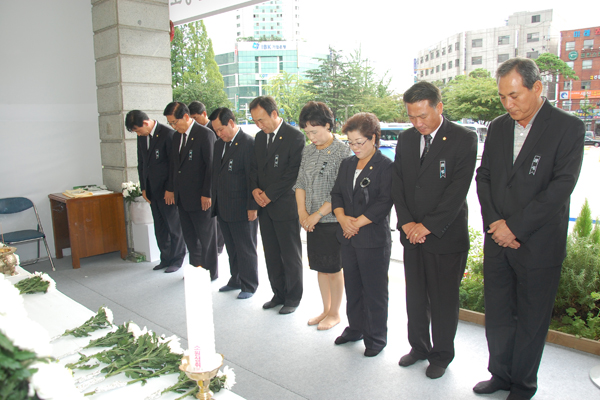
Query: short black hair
point(135, 118)
point(366, 124)
point(316, 113)
point(423, 91)
point(267, 103)
point(527, 68)
point(223, 114)
point(196, 107)
point(177, 109)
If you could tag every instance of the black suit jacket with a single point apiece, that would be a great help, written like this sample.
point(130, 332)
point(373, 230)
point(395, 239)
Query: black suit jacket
point(275, 171)
point(231, 179)
point(192, 169)
point(533, 194)
point(154, 162)
point(435, 193)
point(374, 201)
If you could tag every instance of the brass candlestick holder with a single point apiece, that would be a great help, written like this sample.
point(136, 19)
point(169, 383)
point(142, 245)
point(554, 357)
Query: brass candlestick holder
point(202, 378)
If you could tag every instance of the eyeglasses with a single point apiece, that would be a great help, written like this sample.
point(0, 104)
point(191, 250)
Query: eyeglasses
point(173, 123)
point(357, 144)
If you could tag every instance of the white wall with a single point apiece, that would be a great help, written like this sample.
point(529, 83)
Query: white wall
point(49, 138)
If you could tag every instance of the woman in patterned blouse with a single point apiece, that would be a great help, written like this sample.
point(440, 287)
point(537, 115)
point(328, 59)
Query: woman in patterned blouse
point(318, 172)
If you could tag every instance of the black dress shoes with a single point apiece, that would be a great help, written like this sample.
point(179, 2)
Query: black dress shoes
point(407, 360)
point(271, 304)
point(287, 310)
point(159, 266)
point(172, 268)
point(435, 371)
point(228, 288)
point(491, 386)
point(514, 396)
point(342, 340)
point(371, 352)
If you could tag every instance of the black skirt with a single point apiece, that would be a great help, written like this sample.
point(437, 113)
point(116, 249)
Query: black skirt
point(324, 249)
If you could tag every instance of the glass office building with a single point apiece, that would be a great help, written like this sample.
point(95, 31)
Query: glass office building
point(249, 67)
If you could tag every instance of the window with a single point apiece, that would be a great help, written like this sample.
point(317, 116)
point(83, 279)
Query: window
point(476, 60)
point(443, 66)
point(449, 64)
point(503, 40)
point(456, 63)
point(444, 51)
point(588, 44)
point(586, 85)
point(533, 37)
point(421, 60)
point(431, 55)
point(571, 64)
point(586, 64)
point(532, 54)
point(437, 68)
point(535, 18)
point(568, 85)
point(437, 54)
point(567, 105)
point(477, 43)
point(456, 46)
point(570, 46)
point(503, 57)
point(237, 17)
point(450, 49)
point(257, 24)
point(427, 57)
point(238, 25)
point(239, 33)
point(427, 72)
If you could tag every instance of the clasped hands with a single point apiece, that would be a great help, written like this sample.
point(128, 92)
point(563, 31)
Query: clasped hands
point(170, 199)
point(415, 232)
point(349, 226)
point(307, 221)
point(502, 235)
point(260, 197)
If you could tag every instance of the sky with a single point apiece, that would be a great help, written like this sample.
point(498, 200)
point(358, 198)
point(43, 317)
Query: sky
point(390, 33)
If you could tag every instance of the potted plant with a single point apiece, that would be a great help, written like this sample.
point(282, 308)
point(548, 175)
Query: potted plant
point(139, 208)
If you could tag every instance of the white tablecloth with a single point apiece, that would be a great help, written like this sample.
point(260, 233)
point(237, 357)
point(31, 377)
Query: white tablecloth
point(56, 313)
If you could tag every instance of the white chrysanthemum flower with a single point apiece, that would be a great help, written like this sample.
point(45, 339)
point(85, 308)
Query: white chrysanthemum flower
point(109, 315)
point(53, 382)
point(123, 185)
point(47, 278)
point(173, 343)
point(11, 301)
point(26, 334)
point(136, 331)
point(229, 377)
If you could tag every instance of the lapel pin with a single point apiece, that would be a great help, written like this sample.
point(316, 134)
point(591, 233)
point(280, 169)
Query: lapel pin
point(236, 144)
point(329, 152)
point(371, 167)
point(192, 138)
point(444, 138)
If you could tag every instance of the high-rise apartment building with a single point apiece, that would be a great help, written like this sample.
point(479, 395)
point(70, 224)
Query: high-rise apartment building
point(276, 19)
point(526, 34)
point(580, 49)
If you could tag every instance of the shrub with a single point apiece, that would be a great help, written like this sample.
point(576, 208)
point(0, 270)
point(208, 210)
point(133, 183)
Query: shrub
point(471, 286)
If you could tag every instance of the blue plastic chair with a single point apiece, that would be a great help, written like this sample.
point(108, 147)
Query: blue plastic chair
point(13, 205)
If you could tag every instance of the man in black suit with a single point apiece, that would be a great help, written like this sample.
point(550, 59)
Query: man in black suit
point(191, 168)
point(233, 204)
point(154, 144)
point(275, 165)
point(433, 169)
point(529, 168)
point(199, 114)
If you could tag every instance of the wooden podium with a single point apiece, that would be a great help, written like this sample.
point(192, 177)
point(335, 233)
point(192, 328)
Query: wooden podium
point(88, 225)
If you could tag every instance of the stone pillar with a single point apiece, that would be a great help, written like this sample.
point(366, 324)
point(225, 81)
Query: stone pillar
point(133, 71)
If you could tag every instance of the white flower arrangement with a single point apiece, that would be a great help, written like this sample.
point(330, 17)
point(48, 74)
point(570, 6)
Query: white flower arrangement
point(131, 191)
point(229, 377)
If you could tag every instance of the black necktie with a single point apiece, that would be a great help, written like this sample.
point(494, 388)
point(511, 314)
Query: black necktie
point(182, 142)
point(149, 141)
point(227, 146)
point(427, 146)
point(271, 135)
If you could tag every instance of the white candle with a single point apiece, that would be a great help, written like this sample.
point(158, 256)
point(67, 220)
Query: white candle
point(199, 316)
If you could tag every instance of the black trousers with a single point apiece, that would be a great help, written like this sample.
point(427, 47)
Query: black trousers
point(283, 256)
point(200, 234)
point(518, 308)
point(366, 283)
point(167, 229)
point(432, 295)
point(240, 242)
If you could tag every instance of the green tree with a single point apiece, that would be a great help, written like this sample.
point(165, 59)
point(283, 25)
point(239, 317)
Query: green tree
point(550, 64)
point(289, 91)
point(195, 73)
point(474, 96)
